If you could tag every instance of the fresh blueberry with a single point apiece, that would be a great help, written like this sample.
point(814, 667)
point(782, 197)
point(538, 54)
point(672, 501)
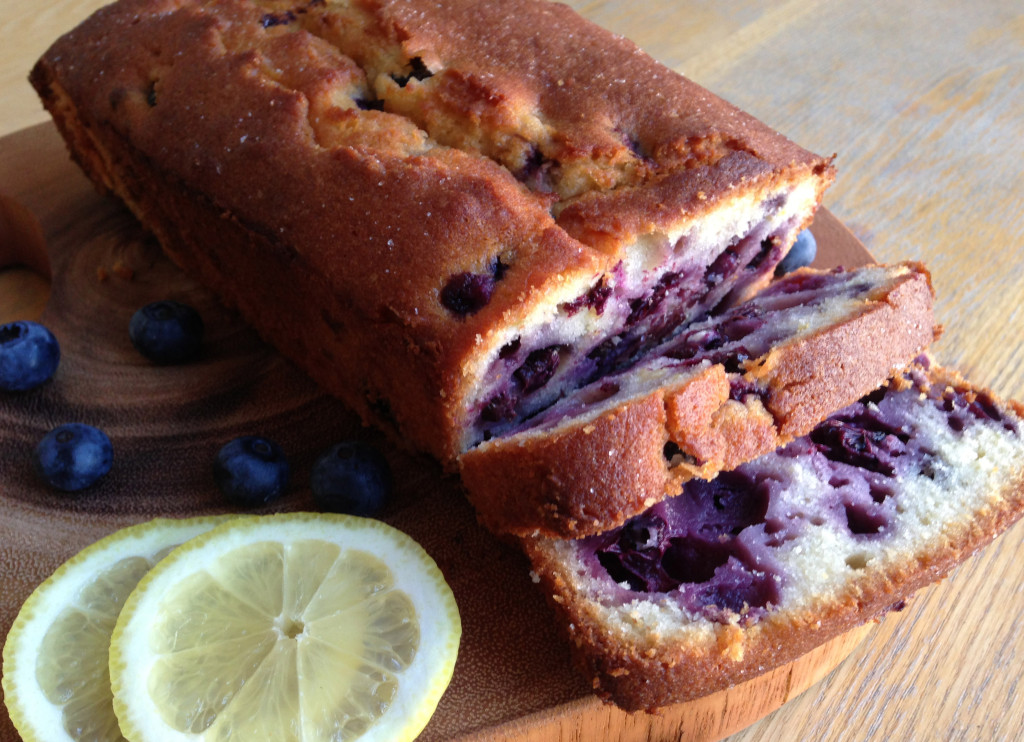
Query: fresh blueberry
point(71, 457)
point(251, 470)
point(29, 354)
point(802, 253)
point(167, 332)
point(353, 478)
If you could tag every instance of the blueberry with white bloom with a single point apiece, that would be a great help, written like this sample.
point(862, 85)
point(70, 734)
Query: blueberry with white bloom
point(74, 456)
point(29, 354)
point(251, 470)
point(351, 477)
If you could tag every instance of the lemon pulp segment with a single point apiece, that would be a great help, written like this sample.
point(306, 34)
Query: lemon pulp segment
point(230, 651)
point(71, 667)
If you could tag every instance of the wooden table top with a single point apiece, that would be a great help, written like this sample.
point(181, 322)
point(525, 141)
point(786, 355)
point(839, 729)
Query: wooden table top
point(924, 104)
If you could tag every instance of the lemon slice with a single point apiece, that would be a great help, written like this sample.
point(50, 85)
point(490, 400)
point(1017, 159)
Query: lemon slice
point(55, 678)
point(287, 627)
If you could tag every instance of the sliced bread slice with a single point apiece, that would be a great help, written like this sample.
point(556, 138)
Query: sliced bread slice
point(725, 391)
point(747, 572)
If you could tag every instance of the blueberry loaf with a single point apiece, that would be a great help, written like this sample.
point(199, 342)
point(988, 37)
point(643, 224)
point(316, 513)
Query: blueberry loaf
point(449, 214)
point(746, 572)
point(726, 390)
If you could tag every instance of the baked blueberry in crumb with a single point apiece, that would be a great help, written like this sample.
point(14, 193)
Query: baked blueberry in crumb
point(537, 171)
point(500, 408)
point(167, 332)
point(862, 521)
point(801, 254)
point(538, 369)
point(418, 71)
point(672, 450)
point(723, 268)
point(29, 354)
point(499, 269)
point(643, 532)
point(768, 244)
point(594, 299)
point(369, 104)
point(863, 441)
point(269, 20)
point(467, 293)
point(74, 456)
point(635, 554)
point(510, 349)
point(351, 477)
point(648, 305)
point(251, 470)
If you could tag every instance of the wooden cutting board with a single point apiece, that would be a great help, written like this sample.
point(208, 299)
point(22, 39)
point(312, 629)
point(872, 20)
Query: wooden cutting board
point(513, 679)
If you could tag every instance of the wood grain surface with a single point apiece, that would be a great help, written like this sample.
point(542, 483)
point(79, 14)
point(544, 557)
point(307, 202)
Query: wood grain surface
point(922, 100)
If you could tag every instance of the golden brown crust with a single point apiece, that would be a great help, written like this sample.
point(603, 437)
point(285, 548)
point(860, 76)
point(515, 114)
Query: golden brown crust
point(243, 116)
point(598, 108)
point(717, 433)
point(574, 482)
point(518, 484)
point(854, 356)
point(608, 220)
